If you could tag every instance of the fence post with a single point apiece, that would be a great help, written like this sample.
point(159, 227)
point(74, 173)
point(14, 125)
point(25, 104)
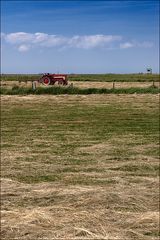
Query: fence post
point(114, 84)
point(153, 84)
point(33, 85)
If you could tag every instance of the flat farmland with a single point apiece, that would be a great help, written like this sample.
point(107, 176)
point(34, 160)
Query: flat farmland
point(88, 77)
point(109, 85)
point(86, 84)
point(80, 166)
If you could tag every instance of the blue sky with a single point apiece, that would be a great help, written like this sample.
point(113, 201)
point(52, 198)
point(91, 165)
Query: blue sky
point(79, 36)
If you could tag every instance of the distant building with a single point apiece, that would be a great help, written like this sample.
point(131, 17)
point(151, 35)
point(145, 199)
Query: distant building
point(149, 70)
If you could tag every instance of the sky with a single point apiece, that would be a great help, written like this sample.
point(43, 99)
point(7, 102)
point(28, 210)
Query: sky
point(79, 36)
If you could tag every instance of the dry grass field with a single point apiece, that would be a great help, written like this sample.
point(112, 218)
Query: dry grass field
point(83, 84)
point(116, 84)
point(80, 167)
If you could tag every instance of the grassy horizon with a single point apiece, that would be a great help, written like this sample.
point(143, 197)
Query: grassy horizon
point(88, 77)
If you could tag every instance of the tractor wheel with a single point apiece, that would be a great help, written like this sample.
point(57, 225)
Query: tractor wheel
point(60, 82)
point(65, 82)
point(46, 81)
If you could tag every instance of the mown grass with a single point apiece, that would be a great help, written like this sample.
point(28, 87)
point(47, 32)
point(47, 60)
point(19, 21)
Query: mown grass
point(73, 90)
point(67, 127)
point(139, 170)
point(80, 162)
point(38, 178)
point(88, 77)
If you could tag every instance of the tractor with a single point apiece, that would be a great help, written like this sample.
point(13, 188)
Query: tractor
point(50, 79)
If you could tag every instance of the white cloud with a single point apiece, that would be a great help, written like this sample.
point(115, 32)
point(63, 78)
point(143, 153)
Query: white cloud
point(23, 48)
point(126, 45)
point(19, 37)
point(53, 41)
point(92, 41)
point(24, 41)
point(136, 44)
point(40, 37)
point(46, 40)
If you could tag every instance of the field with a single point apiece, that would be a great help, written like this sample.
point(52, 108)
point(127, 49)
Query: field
point(84, 84)
point(80, 166)
point(87, 84)
point(88, 77)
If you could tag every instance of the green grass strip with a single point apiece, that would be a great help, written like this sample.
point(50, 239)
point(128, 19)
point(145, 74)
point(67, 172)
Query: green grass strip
point(73, 90)
point(88, 77)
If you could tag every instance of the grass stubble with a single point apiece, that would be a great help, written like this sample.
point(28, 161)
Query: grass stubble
point(80, 167)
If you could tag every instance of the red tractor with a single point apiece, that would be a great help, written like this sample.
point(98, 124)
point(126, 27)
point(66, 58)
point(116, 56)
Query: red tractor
point(50, 79)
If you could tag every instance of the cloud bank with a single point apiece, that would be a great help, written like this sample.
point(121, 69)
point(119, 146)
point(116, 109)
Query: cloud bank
point(25, 41)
